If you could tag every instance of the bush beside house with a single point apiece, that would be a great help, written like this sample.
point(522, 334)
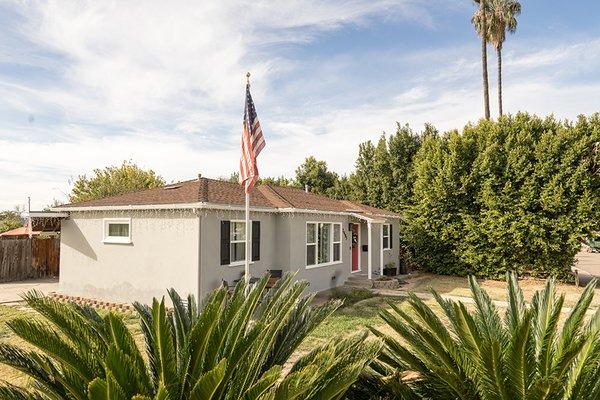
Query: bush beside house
point(518, 194)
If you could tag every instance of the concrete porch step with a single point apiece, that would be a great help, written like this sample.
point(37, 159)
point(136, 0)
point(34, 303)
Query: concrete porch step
point(359, 285)
point(359, 281)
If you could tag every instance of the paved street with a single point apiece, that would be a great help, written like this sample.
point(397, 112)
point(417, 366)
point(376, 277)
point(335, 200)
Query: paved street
point(588, 265)
point(10, 292)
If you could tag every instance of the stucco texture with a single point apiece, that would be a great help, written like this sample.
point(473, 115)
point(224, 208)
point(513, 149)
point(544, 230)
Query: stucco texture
point(181, 249)
point(163, 254)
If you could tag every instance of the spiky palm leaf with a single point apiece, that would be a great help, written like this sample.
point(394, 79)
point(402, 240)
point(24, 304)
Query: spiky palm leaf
point(527, 354)
point(234, 348)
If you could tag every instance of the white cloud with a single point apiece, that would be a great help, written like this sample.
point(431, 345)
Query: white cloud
point(161, 83)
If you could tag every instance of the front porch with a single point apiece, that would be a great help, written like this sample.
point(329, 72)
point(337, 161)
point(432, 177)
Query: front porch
point(372, 244)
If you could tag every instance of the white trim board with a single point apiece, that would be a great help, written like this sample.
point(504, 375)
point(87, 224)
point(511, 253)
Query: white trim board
point(212, 206)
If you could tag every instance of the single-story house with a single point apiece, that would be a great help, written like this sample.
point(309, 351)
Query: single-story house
point(191, 236)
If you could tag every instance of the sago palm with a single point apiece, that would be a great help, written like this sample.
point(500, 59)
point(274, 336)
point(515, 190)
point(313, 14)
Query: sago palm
point(233, 348)
point(530, 353)
point(502, 18)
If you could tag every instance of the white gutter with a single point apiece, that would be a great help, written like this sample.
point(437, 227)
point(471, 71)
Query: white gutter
point(364, 217)
point(212, 206)
point(48, 214)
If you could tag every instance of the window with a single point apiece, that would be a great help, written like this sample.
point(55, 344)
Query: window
point(311, 244)
point(233, 242)
point(386, 237)
point(117, 230)
point(337, 242)
point(323, 243)
point(237, 240)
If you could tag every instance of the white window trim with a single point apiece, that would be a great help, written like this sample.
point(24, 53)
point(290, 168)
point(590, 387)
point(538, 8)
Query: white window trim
point(383, 236)
point(329, 263)
point(115, 239)
point(239, 262)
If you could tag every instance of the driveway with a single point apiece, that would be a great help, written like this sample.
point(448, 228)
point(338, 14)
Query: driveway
point(10, 292)
point(588, 265)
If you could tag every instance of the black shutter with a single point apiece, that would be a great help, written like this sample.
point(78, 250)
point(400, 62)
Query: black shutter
point(255, 240)
point(225, 231)
point(391, 237)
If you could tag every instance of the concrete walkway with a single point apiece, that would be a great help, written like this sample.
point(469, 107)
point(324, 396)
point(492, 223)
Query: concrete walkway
point(10, 292)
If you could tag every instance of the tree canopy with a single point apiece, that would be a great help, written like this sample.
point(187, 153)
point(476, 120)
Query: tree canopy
point(10, 220)
point(517, 194)
point(114, 180)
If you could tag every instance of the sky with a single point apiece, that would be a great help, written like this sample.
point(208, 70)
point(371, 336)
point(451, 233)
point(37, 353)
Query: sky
point(87, 84)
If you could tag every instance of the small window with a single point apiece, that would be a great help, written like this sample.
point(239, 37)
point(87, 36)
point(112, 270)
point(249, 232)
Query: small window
point(386, 236)
point(238, 241)
point(117, 230)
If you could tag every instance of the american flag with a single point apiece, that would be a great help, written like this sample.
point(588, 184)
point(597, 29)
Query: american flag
point(253, 142)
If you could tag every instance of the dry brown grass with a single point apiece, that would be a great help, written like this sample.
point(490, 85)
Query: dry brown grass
point(459, 286)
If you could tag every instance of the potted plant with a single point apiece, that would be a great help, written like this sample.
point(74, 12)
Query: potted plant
point(390, 269)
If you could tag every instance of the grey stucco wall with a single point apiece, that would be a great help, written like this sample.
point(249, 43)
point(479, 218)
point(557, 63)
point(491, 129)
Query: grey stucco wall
point(321, 277)
point(212, 272)
point(181, 249)
point(283, 246)
point(163, 254)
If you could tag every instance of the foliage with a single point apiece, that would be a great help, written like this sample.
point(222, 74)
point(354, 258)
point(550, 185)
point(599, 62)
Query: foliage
point(315, 174)
point(480, 355)
point(278, 181)
point(351, 295)
point(517, 194)
point(502, 18)
point(383, 176)
point(233, 348)
point(112, 181)
point(10, 220)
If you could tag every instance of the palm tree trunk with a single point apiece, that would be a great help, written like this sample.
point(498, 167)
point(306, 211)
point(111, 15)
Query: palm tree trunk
point(486, 90)
point(499, 52)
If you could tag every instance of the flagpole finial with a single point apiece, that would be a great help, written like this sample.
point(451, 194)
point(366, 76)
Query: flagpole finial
point(248, 77)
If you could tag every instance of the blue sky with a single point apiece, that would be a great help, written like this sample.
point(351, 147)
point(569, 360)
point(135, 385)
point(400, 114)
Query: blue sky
point(89, 84)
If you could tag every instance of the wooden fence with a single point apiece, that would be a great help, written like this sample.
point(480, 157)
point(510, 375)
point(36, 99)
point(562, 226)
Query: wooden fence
point(24, 258)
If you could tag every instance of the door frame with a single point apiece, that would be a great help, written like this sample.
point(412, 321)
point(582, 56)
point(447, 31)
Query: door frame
point(358, 252)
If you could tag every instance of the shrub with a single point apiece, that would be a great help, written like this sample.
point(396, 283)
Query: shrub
point(480, 355)
point(233, 348)
point(351, 296)
point(518, 194)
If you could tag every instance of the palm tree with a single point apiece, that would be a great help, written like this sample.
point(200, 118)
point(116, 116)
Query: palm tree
point(502, 18)
point(234, 348)
point(527, 354)
point(479, 20)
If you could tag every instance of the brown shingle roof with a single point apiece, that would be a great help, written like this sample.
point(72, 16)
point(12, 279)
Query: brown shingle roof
point(228, 193)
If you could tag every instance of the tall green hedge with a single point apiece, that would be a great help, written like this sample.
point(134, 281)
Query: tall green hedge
point(517, 194)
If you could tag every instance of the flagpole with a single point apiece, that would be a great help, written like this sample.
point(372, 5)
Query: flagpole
point(248, 250)
point(247, 263)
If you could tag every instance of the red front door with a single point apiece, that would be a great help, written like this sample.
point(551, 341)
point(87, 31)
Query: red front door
point(355, 247)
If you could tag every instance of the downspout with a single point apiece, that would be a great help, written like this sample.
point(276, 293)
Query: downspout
point(369, 250)
point(381, 251)
point(199, 269)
